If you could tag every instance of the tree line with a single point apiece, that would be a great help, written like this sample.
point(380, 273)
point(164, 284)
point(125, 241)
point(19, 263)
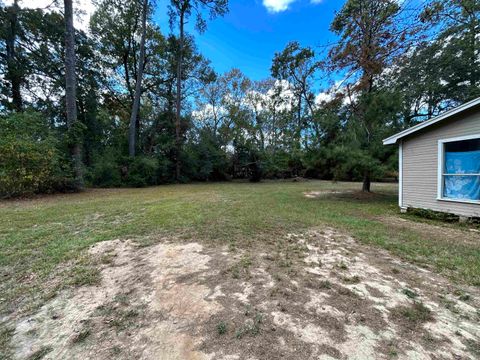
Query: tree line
point(129, 104)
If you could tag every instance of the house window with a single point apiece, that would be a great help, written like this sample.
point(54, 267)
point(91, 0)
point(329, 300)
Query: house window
point(460, 176)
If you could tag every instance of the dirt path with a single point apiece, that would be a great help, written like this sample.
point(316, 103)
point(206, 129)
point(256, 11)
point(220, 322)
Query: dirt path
point(317, 295)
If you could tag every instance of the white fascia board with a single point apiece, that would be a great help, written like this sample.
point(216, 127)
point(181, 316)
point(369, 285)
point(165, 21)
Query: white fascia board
point(394, 138)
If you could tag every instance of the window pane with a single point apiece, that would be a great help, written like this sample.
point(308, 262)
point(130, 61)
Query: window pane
point(462, 187)
point(462, 157)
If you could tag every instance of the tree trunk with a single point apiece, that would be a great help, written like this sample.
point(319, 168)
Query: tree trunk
point(366, 182)
point(178, 143)
point(132, 133)
point(13, 73)
point(299, 122)
point(71, 93)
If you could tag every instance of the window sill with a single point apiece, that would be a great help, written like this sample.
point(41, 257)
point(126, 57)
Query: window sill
point(462, 201)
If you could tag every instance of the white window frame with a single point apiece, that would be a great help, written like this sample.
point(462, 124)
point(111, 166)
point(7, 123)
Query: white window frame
point(441, 167)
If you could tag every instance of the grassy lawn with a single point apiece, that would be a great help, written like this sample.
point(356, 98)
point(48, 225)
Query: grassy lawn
point(43, 241)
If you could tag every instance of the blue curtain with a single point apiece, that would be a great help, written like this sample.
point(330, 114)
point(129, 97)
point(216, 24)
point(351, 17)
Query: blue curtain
point(462, 187)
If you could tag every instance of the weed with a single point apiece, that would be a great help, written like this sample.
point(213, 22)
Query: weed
point(410, 293)
point(428, 338)
point(462, 296)
point(241, 266)
point(235, 271)
point(245, 261)
point(251, 327)
point(352, 280)
point(221, 328)
point(325, 284)
point(414, 315)
point(392, 350)
point(116, 350)
point(449, 304)
point(121, 299)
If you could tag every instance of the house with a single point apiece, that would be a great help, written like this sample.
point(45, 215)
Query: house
point(439, 162)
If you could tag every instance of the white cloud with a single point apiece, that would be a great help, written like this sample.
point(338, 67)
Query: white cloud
point(83, 9)
point(275, 6)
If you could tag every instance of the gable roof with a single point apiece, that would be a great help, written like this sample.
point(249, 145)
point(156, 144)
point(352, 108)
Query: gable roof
point(447, 114)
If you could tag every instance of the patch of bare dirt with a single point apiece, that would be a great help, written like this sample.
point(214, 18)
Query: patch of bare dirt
point(138, 311)
point(314, 295)
point(468, 236)
point(342, 194)
point(325, 193)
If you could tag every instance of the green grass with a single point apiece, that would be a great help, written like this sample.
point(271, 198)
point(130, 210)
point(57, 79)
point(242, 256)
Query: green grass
point(43, 241)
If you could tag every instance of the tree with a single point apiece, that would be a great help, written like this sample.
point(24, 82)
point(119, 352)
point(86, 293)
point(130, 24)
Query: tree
point(371, 36)
point(180, 10)
point(116, 26)
point(298, 66)
point(71, 94)
point(211, 113)
point(457, 45)
point(15, 72)
point(138, 87)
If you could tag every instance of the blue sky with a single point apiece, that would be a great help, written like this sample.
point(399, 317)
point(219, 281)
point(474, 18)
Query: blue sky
point(250, 34)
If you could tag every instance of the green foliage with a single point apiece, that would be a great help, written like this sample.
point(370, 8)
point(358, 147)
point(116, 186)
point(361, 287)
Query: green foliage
point(282, 165)
point(205, 160)
point(222, 328)
point(112, 171)
point(230, 126)
point(30, 161)
point(105, 172)
point(142, 171)
point(459, 25)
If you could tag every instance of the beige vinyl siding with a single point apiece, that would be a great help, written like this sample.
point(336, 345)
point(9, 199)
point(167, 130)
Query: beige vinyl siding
point(420, 164)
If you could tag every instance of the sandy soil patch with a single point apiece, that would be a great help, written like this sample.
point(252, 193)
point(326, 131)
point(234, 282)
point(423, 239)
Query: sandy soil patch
point(138, 311)
point(313, 295)
point(325, 193)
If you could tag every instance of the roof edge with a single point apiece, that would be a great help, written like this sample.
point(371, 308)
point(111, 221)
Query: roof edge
point(394, 138)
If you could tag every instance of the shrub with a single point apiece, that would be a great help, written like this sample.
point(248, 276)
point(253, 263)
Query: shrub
point(105, 173)
point(205, 160)
point(142, 171)
point(30, 161)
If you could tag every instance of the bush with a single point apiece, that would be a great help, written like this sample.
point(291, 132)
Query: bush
point(30, 161)
point(108, 172)
point(205, 160)
point(105, 173)
point(142, 171)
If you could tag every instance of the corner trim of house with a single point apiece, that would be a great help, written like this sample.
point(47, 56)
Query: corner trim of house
point(400, 174)
point(440, 156)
